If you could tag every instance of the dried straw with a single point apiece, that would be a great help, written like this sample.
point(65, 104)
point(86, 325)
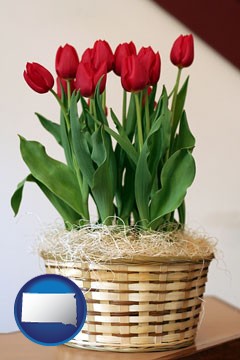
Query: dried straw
point(108, 244)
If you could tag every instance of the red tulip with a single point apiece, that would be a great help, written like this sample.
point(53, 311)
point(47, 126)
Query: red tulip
point(87, 56)
point(66, 62)
point(151, 62)
point(63, 82)
point(121, 52)
point(134, 76)
point(38, 78)
point(100, 53)
point(87, 78)
point(182, 53)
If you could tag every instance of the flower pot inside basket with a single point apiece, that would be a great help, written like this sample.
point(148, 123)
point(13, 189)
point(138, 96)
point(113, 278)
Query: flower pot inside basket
point(139, 306)
point(143, 303)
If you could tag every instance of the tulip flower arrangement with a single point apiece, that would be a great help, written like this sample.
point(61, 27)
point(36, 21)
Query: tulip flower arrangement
point(138, 170)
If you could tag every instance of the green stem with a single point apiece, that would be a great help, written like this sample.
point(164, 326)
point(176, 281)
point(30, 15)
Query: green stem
point(91, 106)
point(62, 108)
point(174, 121)
point(171, 93)
point(94, 112)
point(85, 195)
point(69, 92)
point(80, 183)
point(104, 101)
point(124, 109)
point(182, 214)
point(139, 122)
point(147, 112)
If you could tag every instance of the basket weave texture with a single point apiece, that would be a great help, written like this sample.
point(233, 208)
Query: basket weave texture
point(137, 306)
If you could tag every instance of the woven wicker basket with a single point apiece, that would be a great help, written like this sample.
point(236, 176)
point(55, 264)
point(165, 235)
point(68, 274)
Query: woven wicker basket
point(138, 306)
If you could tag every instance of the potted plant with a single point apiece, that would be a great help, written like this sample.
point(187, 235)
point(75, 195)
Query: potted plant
point(143, 273)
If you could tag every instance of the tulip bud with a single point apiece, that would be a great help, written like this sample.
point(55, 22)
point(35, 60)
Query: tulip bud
point(87, 56)
point(62, 85)
point(87, 78)
point(84, 81)
point(99, 54)
point(66, 62)
point(102, 53)
point(182, 53)
point(121, 52)
point(38, 78)
point(151, 62)
point(134, 76)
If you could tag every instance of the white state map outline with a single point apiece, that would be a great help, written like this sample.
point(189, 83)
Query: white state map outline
point(49, 308)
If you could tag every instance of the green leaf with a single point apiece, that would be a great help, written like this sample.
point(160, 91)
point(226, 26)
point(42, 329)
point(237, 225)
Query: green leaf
point(125, 174)
point(65, 140)
point(103, 188)
point(159, 137)
point(182, 213)
point(85, 115)
point(116, 121)
point(51, 127)
point(121, 160)
point(152, 98)
point(185, 137)
point(98, 103)
point(127, 198)
point(143, 182)
point(152, 153)
point(66, 212)
point(180, 101)
point(163, 101)
point(181, 97)
point(177, 175)
point(124, 142)
point(80, 144)
point(64, 97)
point(99, 150)
point(131, 118)
point(16, 198)
point(56, 176)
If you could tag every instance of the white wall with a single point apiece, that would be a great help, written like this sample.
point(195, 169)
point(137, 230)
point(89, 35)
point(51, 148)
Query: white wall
point(32, 31)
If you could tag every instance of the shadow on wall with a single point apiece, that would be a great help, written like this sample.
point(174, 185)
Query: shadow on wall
point(221, 33)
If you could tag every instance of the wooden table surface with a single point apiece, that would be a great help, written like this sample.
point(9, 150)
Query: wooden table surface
point(218, 338)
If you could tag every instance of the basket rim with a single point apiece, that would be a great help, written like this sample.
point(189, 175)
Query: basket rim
point(138, 259)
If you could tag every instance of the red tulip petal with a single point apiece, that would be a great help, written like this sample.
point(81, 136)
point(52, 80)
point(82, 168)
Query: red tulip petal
point(66, 62)
point(33, 85)
point(84, 79)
